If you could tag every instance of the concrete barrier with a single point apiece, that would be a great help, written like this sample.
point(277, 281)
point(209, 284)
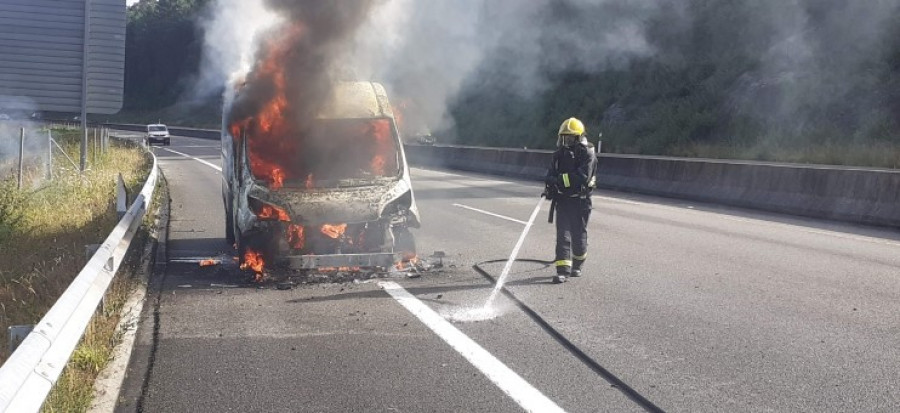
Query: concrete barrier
point(859, 195)
point(867, 196)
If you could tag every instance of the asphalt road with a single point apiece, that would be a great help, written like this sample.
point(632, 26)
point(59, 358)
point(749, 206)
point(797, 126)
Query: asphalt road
point(685, 307)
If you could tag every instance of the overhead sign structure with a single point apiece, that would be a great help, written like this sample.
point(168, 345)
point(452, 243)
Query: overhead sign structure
point(62, 55)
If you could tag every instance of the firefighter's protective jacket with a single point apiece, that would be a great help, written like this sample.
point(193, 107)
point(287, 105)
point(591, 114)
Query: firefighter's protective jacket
point(572, 173)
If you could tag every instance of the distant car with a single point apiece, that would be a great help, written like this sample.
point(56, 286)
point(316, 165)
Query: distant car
point(157, 133)
point(4, 116)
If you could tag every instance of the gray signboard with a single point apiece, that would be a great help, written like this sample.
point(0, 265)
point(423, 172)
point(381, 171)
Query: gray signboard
point(52, 50)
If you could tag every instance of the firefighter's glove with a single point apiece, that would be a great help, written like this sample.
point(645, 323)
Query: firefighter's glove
point(550, 191)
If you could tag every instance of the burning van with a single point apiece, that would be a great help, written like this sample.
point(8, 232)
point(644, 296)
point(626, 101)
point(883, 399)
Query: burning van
point(332, 193)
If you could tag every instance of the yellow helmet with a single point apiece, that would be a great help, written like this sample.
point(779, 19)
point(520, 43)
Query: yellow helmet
point(571, 126)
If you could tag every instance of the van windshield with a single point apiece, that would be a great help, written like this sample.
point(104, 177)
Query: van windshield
point(156, 128)
point(330, 153)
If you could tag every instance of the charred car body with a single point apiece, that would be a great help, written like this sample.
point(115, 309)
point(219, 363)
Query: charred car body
point(338, 196)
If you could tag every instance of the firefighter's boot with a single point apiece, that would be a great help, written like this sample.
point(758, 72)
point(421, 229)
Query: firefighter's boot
point(563, 270)
point(576, 267)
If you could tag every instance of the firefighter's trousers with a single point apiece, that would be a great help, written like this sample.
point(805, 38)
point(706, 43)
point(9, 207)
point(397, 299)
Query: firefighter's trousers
point(572, 216)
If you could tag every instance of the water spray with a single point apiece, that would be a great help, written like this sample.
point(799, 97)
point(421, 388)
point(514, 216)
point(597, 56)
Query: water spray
point(512, 256)
point(487, 312)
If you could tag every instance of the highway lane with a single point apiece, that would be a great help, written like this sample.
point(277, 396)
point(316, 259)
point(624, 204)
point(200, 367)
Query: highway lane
point(695, 307)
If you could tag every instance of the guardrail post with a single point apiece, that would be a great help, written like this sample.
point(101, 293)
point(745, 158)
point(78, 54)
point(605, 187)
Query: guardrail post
point(49, 155)
point(17, 334)
point(121, 197)
point(21, 156)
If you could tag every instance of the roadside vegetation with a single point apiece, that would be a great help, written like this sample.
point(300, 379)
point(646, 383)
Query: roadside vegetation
point(74, 391)
point(810, 81)
point(163, 45)
point(795, 81)
point(43, 234)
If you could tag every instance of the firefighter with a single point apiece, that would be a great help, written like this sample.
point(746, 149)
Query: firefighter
point(569, 183)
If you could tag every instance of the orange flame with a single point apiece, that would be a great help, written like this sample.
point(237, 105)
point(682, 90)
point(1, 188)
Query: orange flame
point(253, 260)
point(207, 263)
point(378, 165)
point(296, 237)
point(408, 261)
point(270, 123)
point(273, 212)
point(381, 131)
point(334, 231)
point(277, 178)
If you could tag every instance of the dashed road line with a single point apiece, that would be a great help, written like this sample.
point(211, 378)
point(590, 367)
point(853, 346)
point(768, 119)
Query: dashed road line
point(194, 158)
point(490, 213)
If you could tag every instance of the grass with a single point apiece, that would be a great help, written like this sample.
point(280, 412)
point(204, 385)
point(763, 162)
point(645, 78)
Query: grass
point(75, 389)
point(43, 234)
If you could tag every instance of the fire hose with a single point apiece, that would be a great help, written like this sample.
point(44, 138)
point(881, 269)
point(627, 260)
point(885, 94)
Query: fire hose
point(563, 341)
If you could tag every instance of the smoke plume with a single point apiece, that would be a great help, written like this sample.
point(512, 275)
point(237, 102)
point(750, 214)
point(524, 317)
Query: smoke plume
point(231, 33)
point(819, 72)
point(428, 52)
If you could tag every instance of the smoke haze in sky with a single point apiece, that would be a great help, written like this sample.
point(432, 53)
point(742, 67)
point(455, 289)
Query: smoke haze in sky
point(798, 56)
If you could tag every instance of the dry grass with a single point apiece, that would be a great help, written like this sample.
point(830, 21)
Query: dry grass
point(74, 390)
point(45, 249)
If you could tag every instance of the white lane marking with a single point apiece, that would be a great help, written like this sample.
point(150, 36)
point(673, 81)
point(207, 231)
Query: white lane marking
point(490, 213)
point(530, 398)
point(835, 234)
point(196, 159)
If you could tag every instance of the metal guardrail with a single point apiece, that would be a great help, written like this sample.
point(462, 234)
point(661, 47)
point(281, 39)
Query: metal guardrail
point(33, 369)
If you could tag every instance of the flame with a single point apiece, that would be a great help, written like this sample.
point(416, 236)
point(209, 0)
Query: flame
point(254, 260)
point(378, 165)
point(408, 261)
point(269, 117)
point(207, 263)
point(272, 212)
point(277, 178)
point(334, 231)
point(265, 128)
point(399, 107)
point(381, 131)
point(295, 236)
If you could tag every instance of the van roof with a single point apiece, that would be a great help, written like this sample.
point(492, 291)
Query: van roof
point(357, 100)
point(156, 124)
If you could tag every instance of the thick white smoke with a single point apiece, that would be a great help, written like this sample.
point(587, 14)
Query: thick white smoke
point(809, 78)
point(426, 52)
point(231, 30)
